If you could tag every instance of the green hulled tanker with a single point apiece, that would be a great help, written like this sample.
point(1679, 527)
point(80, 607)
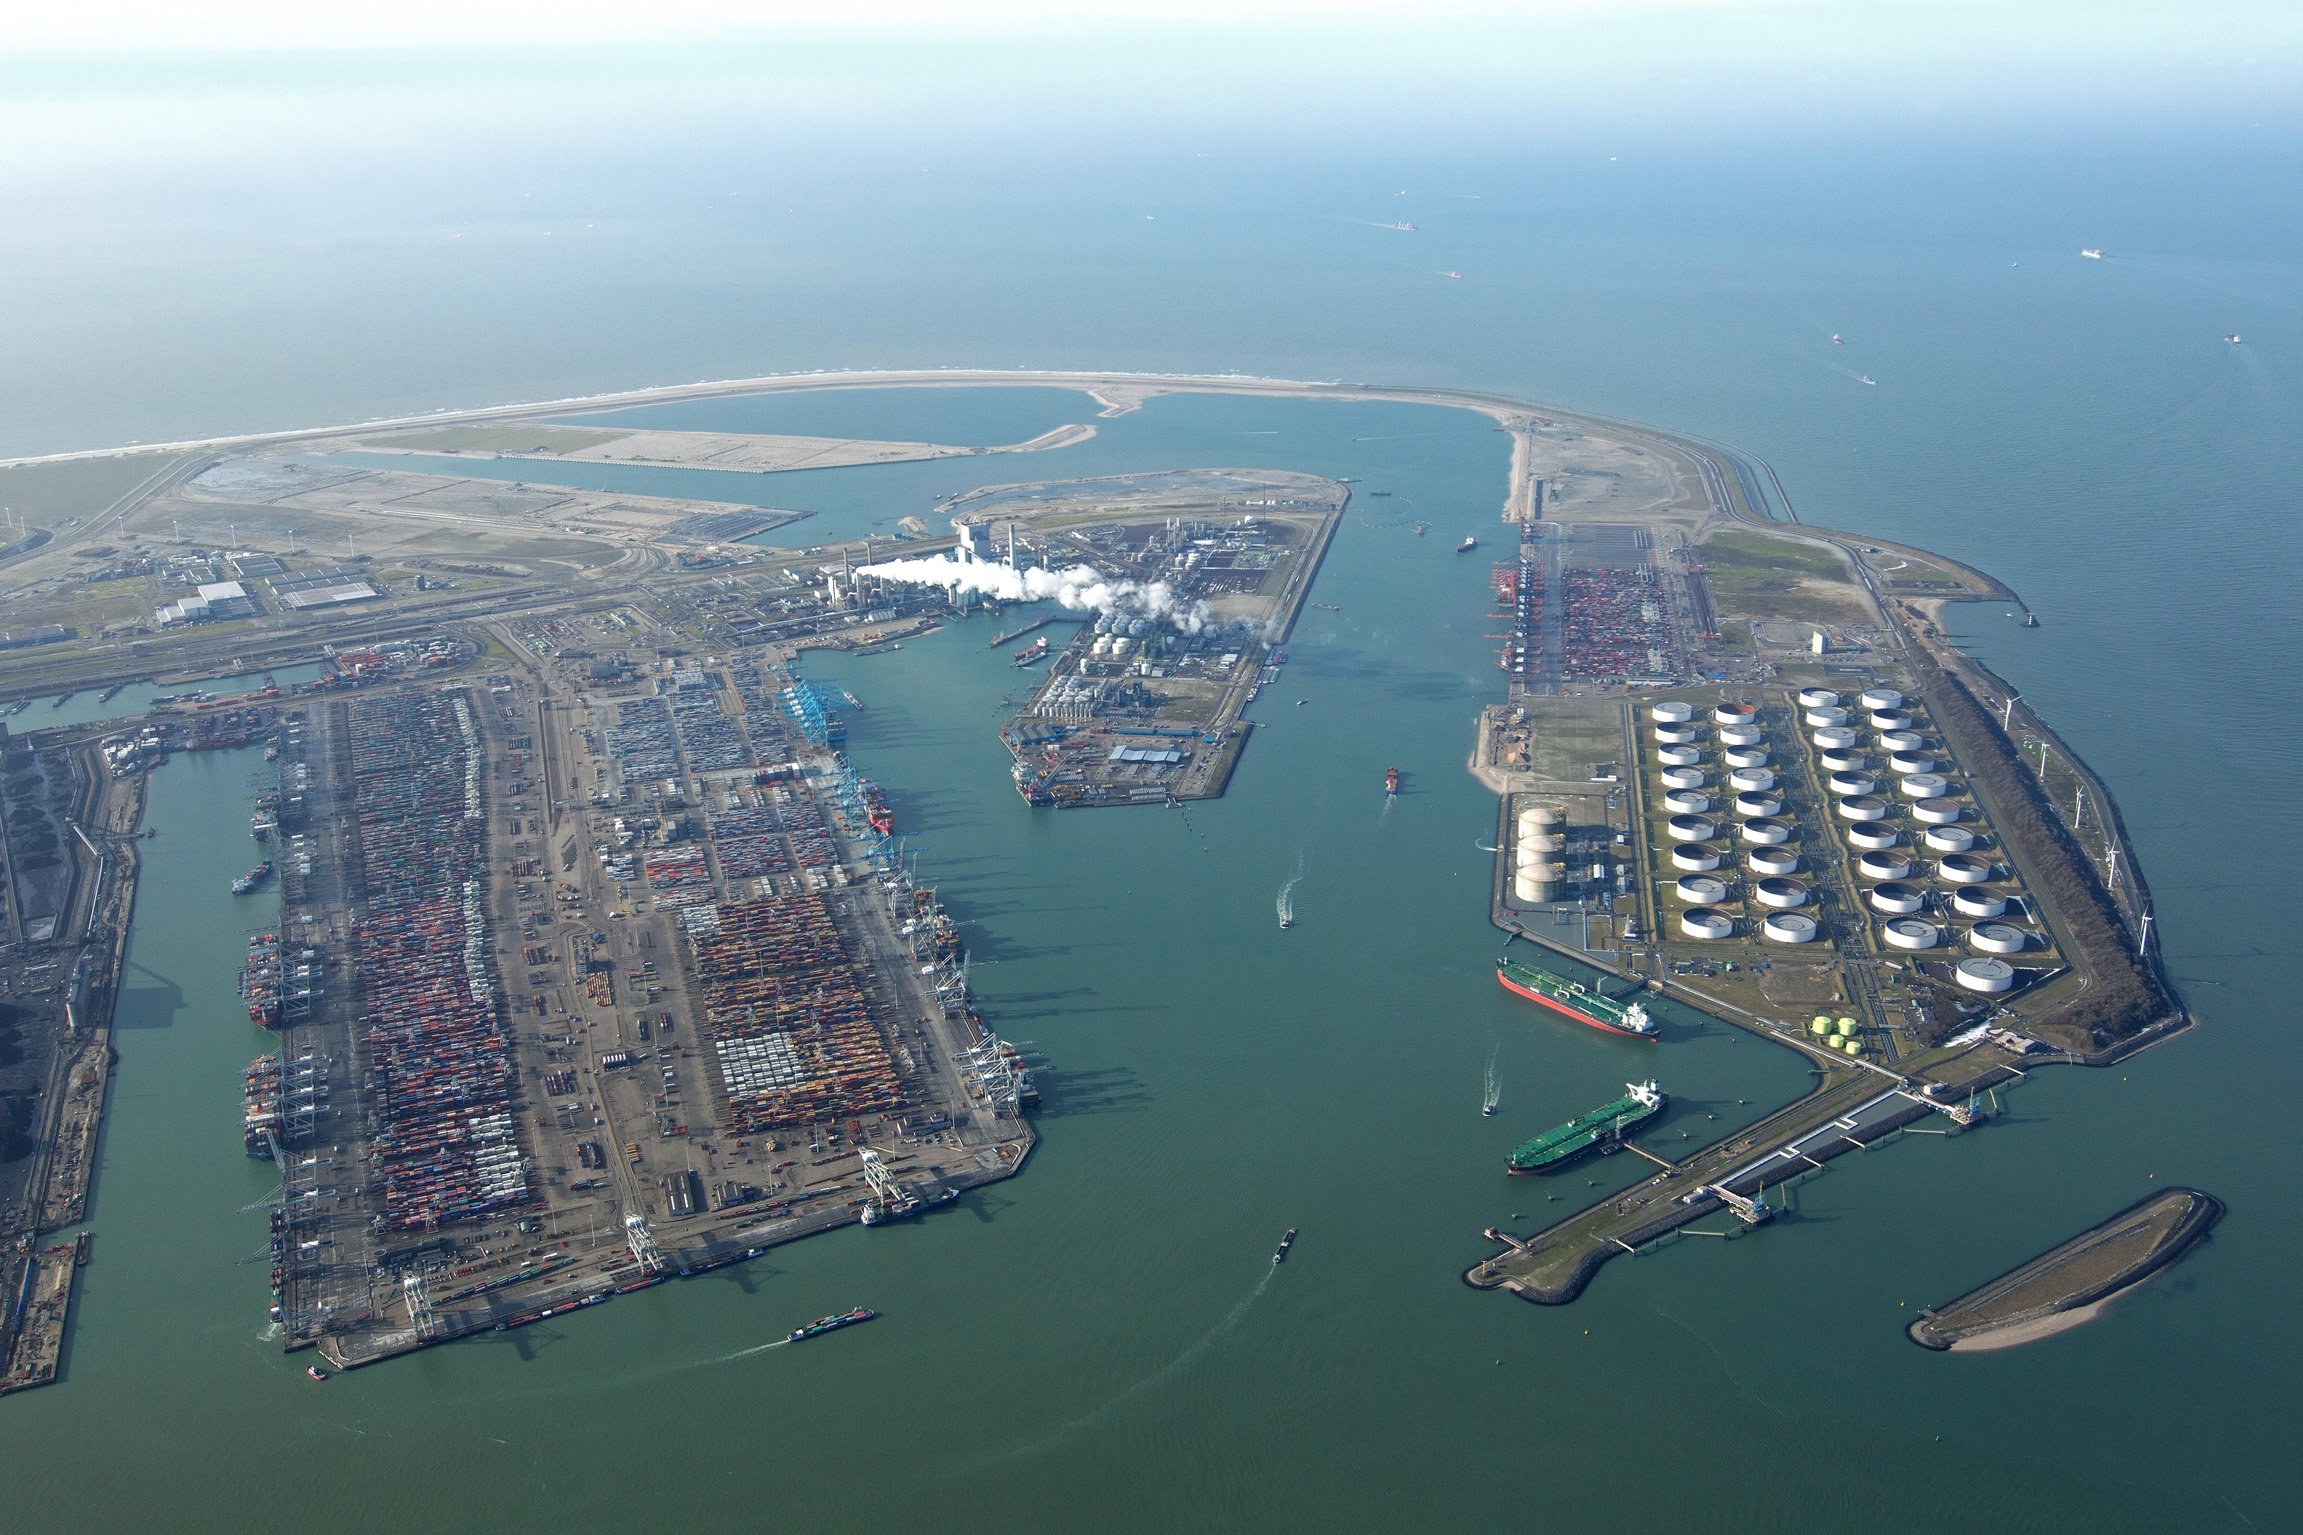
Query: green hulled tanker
point(1602, 1127)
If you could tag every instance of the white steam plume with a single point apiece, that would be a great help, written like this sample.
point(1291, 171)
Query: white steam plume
point(1079, 587)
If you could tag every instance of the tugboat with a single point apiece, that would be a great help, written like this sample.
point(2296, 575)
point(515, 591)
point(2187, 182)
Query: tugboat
point(1391, 781)
point(315, 1372)
point(825, 1324)
point(1285, 1242)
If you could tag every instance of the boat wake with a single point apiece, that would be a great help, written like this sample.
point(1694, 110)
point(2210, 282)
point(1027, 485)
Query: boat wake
point(1199, 1346)
point(758, 1348)
point(1286, 903)
point(1491, 1092)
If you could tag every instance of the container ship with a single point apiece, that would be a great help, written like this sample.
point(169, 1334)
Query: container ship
point(253, 878)
point(1575, 999)
point(260, 979)
point(260, 1099)
point(825, 1324)
point(1602, 1128)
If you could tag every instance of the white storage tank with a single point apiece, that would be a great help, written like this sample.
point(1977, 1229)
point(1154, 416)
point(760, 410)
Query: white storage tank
point(1935, 812)
point(1908, 763)
point(1874, 835)
point(1752, 778)
point(1675, 735)
point(1699, 889)
point(1756, 803)
point(1542, 842)
point(1670, 711)
point(1978, 902)
point(1744, 756)
point(1925, 786)
point(1836, 738)
point(1678, 756)
point(1881, 864)
point(1964, 868)
point(1901, 740)
point(1683, 778)
point(1780, 893)
point(1735, 714)
point(1789, 927)
point(1706, 922)
point(1880, 698)
point(1845, 784)
point(1531, 891)
point(1912, 933)
point(1997, 938)
point(1830, 714)
point(1695, 857)
point(1686, 801)
point(1897, 899)
point(1530, 856)
point(1543, 815)
point(1766, 831)
point(1892, 719)
point(1690, 828)
point(1863, 807)
point(1774, 860)
point(1950, 839)
point(1741, 735)
point(1817, 698)
point(1984, 975)
point(1845, 759)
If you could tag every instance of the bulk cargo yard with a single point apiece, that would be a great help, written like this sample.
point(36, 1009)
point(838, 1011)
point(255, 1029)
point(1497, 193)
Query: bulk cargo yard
point(1738, 766)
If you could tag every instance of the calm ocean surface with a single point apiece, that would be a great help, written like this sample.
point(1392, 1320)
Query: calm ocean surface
point(1103, 1341)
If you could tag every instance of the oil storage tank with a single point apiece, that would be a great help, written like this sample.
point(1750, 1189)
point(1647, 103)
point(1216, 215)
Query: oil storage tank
point(1984, 974)
point(1911, 933)
point(1788, 927)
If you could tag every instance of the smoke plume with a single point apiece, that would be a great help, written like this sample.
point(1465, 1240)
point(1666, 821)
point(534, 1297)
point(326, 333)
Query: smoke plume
point(1079, 587)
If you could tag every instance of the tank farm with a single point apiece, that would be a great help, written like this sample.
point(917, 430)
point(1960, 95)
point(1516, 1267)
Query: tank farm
point(541, 1047)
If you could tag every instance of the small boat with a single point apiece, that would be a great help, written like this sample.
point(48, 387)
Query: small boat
point(1286, 922)
point(1868, 379)
point(1837, 340)
point(315, 1372)
point(1470, 543)
point(2092, 252)
point(1391, 780)
point(2233, 338)
point(1279, 1255)
point(1458, 276)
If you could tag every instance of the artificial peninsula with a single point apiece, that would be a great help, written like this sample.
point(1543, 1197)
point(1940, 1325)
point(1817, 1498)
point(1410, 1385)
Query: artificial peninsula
point(596, 964)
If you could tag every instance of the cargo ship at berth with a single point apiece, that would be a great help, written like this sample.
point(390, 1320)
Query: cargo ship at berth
point(825, 1324)
point(260, 1106)
point(1575, 999)
point(1601, 1129)
point(253, 878)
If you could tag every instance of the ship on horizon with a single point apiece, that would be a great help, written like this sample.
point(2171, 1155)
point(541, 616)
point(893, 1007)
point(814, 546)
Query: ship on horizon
point(1575, 1000)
